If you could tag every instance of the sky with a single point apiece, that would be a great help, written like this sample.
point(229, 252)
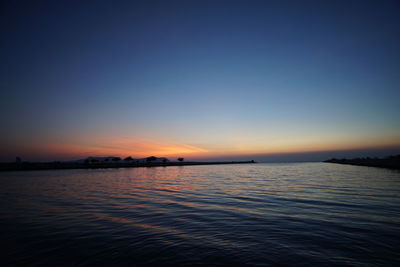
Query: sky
point(199, 79)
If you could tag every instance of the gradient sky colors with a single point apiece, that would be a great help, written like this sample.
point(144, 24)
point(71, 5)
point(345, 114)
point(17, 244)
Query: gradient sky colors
point(199, 79)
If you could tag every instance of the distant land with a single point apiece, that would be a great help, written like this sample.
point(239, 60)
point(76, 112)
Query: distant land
point(392, 162)
point(107, 162)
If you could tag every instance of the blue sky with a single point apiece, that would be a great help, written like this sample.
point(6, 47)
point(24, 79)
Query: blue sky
point(198, 78)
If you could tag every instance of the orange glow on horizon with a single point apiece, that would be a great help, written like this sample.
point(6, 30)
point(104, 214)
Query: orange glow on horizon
point(140, 147)
point(137, 148)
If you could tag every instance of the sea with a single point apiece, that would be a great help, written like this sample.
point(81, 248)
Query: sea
point(287, 214)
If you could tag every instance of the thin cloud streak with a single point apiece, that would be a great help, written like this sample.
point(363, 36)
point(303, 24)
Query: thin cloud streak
point(136, 147)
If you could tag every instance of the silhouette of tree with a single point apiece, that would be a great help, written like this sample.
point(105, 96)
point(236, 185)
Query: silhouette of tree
point(152, 158)
point(128, 158)
point(181, 159)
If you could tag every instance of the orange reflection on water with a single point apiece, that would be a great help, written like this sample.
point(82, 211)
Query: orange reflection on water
point(135, 223)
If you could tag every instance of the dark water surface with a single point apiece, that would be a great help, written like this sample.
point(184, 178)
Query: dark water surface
point(258, 214)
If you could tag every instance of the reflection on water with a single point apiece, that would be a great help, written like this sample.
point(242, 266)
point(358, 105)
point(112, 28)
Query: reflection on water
point(261, 214)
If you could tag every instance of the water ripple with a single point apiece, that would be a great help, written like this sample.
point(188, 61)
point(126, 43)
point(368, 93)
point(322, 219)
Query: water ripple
point(263, 214)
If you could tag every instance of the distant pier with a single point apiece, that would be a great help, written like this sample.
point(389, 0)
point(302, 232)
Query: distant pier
point(391, 162)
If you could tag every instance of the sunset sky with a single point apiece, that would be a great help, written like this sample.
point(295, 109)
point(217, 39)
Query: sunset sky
point(198, 79)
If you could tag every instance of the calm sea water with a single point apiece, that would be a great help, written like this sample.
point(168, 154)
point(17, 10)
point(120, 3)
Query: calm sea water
point(223, 215)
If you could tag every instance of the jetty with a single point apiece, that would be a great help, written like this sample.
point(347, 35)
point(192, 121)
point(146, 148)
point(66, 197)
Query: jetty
point(57, 165)
point(390, 162)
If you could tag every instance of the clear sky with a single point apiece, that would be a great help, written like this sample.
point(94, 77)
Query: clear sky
point(199, 79)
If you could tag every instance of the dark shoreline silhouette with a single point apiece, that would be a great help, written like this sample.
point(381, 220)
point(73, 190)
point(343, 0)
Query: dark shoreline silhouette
point(391, 162)
point(57, 165)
